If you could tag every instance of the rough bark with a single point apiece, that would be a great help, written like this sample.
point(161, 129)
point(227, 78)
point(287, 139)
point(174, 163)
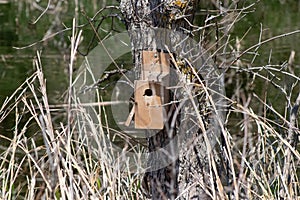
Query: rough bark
point(189, 175)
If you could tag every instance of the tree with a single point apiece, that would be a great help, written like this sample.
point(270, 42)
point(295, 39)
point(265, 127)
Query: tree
point(194, 174)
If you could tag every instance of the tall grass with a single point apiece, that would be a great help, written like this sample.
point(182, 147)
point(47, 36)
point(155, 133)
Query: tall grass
point(265, 161)
point(70, 160)
point(62, 165)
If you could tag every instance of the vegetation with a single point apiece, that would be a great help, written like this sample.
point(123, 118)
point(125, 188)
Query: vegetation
point(43, 151)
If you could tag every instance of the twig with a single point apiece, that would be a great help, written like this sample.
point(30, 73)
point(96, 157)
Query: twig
point(43, 40)
point(39, 17)
point(264, 42)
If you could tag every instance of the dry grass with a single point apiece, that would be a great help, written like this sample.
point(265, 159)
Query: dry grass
point(62, 165)
point(57, 162)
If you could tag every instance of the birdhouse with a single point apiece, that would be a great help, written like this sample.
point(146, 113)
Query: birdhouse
point(150, 92)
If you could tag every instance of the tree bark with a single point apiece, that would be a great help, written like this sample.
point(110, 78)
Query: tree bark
point(189, 176)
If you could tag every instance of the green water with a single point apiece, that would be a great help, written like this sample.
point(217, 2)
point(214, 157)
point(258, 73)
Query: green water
point(271, 18)
point(18, 30)
point(16, 65)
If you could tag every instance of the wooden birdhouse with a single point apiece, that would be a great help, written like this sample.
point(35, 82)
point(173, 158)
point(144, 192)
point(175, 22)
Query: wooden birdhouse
point(150, 92)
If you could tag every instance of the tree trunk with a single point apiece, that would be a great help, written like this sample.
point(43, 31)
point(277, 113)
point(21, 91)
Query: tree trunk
point(192, 173)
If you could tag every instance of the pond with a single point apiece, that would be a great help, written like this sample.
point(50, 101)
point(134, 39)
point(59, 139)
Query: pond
point(17, 64)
